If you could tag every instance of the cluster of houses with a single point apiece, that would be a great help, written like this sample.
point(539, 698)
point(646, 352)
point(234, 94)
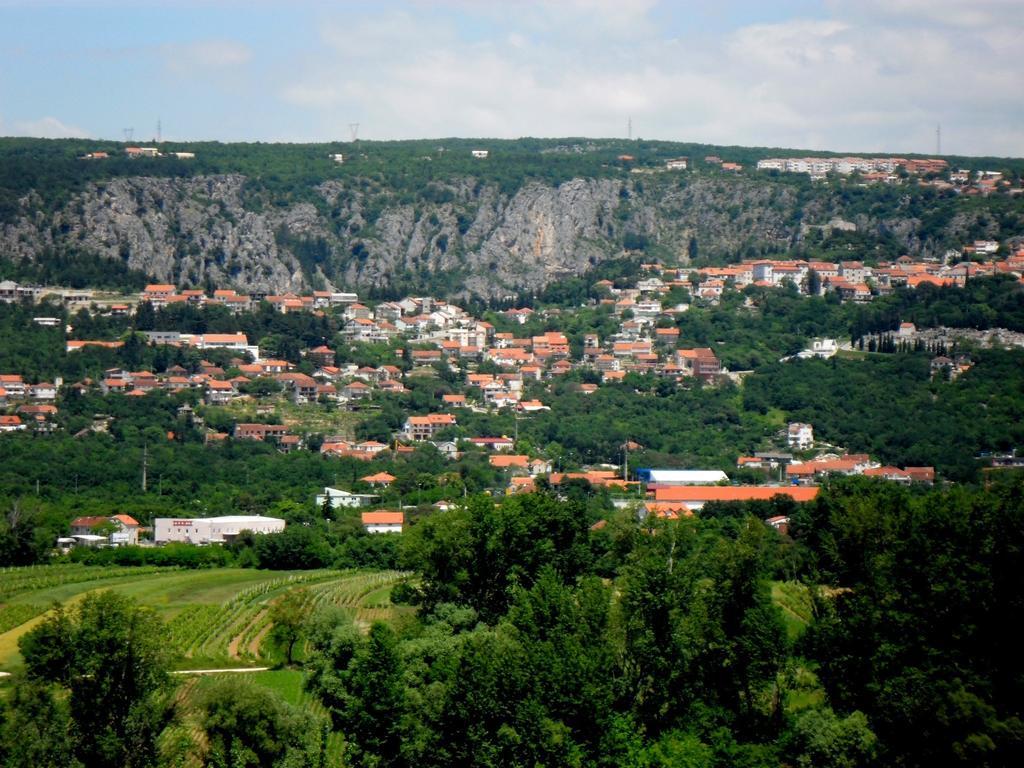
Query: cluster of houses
point(871, 168)
point(811, 472)
point(852, 280)
point(137, 152)
point(164, 294)
point(33, 404)
point(890, 170)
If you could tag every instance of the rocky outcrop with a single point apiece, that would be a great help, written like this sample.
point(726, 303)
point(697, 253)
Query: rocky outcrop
point(227, 230)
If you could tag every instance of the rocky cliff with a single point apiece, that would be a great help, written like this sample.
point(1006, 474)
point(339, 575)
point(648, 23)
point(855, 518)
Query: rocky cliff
point(459, 236)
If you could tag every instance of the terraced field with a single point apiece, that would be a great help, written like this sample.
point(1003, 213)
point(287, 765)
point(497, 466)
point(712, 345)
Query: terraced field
point(216, 618)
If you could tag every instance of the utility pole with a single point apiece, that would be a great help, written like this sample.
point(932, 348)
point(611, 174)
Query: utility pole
point(629, 129)
point(145, 460)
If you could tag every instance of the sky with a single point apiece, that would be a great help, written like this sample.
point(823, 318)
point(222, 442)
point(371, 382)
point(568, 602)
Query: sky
point(841, 75)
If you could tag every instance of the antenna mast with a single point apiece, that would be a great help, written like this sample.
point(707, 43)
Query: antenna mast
point(938, 139)
point(159, 127)
point(629, 128)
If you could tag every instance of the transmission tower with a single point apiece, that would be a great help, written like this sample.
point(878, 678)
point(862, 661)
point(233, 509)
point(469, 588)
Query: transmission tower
point(128, 134)
point(354, 130)
point(159, 131)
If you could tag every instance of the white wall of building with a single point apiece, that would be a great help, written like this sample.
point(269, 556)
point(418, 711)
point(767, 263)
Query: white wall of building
point(211, 530)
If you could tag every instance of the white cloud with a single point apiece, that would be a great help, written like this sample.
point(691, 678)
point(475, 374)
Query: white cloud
point(865, 75)
point(963, 14)
point(43, 128)
point(205, 55)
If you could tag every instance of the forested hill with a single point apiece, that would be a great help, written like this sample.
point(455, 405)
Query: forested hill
point(429, 216)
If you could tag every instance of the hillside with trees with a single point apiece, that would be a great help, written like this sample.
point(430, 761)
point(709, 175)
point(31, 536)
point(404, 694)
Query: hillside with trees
point(427, 216)
point(873, 634)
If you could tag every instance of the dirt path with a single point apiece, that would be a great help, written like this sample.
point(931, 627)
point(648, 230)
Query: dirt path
point(236, 641)
point(254, 645)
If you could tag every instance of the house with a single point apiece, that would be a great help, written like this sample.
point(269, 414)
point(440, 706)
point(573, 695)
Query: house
point(44, 391)
point(339, 498)
point(700, 362)
point(493, 443)
point(509, 461)
point(158, 293)
point(800, 436)
point(127, 533)
point(322, 355)
point(383, 521)
point(380, 479)
point(824, 348)
point(11, 424)
point(244, 431)
point(125, 528)
point(480, 154)
point(303, 387)
point(356, 390)
point(219, 392)
point(425, 427)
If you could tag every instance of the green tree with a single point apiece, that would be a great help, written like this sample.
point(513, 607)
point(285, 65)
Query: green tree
point(288, 617)
point(249, 726)
point(374, 701)
point(37, 733)
point(109, 653)
point(821, 739)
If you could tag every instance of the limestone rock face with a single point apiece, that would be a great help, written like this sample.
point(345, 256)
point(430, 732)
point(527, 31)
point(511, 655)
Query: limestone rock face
point(457, 237)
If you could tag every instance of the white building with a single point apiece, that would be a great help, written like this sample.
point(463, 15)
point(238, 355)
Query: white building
point(212, 530)
point(800, 436)
point(340, 498)
point(383, 521)
point(820, 348)
point(683, 476)
point(233, 341)
point(480, 153)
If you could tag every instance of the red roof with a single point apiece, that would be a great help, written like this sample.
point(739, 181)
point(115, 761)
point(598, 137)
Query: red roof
point(733, 493)
point(383, 517)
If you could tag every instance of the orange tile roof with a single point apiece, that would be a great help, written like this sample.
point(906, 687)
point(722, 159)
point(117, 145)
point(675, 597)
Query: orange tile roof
point(733, 493)
point(383, 517)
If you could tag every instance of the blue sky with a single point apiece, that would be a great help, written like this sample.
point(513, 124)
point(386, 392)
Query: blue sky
point(858, 75)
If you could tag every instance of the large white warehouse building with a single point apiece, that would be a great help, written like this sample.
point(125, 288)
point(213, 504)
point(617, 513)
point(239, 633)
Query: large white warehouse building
point(211, 530)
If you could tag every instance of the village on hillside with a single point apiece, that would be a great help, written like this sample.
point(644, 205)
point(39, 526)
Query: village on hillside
point(494, 371)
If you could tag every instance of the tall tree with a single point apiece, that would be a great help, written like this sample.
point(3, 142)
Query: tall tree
point(109, 653)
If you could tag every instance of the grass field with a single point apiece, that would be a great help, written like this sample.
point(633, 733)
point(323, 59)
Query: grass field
point(310, 417)
point(215, 618)
point(794, 600)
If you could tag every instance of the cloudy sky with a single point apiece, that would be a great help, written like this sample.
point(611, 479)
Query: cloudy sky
point(858, 75)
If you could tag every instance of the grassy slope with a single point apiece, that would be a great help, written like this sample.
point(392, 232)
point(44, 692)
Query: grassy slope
point(231, 602)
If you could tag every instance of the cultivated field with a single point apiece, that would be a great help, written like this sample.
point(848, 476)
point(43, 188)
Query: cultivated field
point(216, 618)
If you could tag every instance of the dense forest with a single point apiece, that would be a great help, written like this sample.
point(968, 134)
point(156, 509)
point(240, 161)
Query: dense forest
point(874, 634)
